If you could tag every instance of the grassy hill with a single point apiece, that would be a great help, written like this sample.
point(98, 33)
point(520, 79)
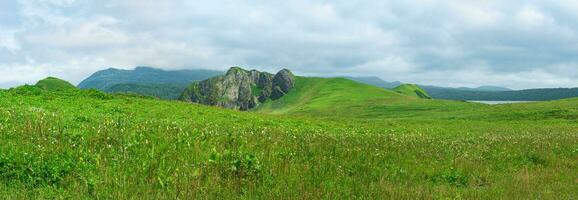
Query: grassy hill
point(370, 143)
point(327, 94)
point(343, 99)
point(54, 84)
point(412, 90)
point(339, 97)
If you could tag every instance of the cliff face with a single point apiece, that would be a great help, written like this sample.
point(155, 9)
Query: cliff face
point(240, 89)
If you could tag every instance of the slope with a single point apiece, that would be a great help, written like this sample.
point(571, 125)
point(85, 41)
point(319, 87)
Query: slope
point(54, 84)
point(331, 97)
point(412, 90)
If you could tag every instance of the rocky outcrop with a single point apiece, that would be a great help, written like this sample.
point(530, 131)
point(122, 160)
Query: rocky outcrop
point(240, 89)
point(282, 83)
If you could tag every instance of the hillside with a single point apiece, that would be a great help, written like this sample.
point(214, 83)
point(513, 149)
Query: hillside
point(54, 84)
point(147, 80)
point(340, 97)
point(85, 144)
point(412, 90)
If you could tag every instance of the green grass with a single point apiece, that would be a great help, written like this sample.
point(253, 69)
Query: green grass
point(412, 90)
point(336, 139)
point(54, 84)
point(343, 98)
point(323, 94)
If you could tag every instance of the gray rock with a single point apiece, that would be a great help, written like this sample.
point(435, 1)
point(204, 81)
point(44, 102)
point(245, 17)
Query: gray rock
point(240, 89)
point(283, 82)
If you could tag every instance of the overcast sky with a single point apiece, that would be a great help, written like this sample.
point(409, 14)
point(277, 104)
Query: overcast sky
point(515, 43)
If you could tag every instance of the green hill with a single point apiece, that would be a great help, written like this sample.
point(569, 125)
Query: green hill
point(327, 94)
point(412, 90)
point(340, 97)
point(54, 84)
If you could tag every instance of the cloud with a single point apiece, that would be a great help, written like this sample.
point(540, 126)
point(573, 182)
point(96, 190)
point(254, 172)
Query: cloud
point(518, 44)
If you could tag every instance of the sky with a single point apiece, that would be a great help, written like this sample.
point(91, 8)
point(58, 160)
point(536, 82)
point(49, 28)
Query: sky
point(517, 44)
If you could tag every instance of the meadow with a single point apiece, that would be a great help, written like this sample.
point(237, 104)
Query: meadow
point(313, 144)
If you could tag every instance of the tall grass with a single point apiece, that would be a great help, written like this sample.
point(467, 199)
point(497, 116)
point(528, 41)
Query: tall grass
point(85, 144)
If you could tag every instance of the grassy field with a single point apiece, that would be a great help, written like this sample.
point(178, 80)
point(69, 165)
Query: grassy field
point(326, 139)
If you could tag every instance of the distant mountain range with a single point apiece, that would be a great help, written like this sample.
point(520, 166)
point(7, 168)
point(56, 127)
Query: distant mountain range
point(375, 81)
point(150, 81)
point(167, 84)
point(483, 93)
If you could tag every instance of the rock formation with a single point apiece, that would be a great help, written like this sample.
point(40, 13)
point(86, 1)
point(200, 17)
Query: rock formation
point(240, 89)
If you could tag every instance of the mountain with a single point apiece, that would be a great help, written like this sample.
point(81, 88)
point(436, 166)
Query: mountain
point(412, 90)
point(515, 95)
point(482, 93)
point(146, 81)
point(490, 88)
point(54, 84)
point(376, 81)
point(163, 91)
point(240, 89)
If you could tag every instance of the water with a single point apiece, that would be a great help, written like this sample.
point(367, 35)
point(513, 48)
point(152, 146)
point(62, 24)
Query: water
point(500, 102)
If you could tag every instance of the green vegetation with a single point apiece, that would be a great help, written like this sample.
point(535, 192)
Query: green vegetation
point(256, 90)
point(412, 90)
point(163, 91)
point(343, 98)
point(146, 81)
point(336, 139)
point(54, 84)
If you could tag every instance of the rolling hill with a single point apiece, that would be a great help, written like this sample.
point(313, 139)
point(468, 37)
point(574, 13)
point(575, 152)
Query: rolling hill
point(412, 90)
point(343, 98)
point(54, 84)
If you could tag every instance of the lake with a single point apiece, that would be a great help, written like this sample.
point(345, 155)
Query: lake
point(500, 102)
